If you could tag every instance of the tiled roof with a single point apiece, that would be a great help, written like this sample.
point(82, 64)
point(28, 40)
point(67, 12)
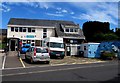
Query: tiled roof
point(36, 22)
point(60, 33)
point(56, 23)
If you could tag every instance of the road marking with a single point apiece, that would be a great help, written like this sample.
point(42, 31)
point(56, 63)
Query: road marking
point(50, 65)
point(3, 65)
point(22, 62)
point(71, 68)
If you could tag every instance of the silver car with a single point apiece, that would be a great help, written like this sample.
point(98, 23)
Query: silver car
point(35, 54)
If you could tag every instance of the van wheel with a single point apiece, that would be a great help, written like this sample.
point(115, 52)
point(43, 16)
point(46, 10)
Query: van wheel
point(47, 62)
point(31, 61)
point(62, 57)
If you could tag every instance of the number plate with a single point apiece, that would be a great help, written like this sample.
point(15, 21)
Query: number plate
point(57, 54)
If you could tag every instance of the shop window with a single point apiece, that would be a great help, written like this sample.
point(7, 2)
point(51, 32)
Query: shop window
point(37, 42)
point(12, 28)
point(32, 40)
point(28, 41)
point(44, 35)
point(32, 44)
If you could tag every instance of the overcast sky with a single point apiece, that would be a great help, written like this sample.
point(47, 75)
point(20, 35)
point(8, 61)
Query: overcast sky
point(79, 12)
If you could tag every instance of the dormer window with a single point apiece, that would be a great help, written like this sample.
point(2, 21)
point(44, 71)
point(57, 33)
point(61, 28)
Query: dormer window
point(67, 30)
point(70, 30)
point(76, 30)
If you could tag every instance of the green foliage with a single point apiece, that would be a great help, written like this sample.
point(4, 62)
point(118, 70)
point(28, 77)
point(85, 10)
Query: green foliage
point(2, 45)
point(107, 55)
point(105, 37)
point(118, 33)
point(110, 36)
point(98, 37)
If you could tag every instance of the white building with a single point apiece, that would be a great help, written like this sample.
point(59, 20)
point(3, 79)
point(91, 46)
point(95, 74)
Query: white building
point(34, 30)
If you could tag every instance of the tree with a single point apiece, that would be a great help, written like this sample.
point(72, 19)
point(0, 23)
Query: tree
point(118, 33)
point(91, 28)
point(110, 37)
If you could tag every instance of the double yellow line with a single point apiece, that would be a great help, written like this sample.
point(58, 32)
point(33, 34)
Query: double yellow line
point(22, 62)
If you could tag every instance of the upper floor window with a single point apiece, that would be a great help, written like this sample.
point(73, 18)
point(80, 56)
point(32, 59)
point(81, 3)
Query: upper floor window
point(76, 30)
point(20, 29)
point(69, 30)
point(29, 29)
point(12, 28)
point(33, 29)
point(24, 29)
point(16, 29)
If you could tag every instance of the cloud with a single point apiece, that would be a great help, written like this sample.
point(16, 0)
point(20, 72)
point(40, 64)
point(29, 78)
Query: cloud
point(61, 10)
point(72, 13)
point(60, 0)
point(39, 4)
point(4, 8)
point(99, 11)
point(64, 11)
point(51, 14)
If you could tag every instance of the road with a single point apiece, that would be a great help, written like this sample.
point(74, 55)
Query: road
point(107, 71)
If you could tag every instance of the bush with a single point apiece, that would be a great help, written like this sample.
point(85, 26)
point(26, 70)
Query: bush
point(2, 45)
point(107, 55)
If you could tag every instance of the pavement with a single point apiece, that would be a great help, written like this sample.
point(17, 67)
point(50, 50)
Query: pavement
point(75, 60)
point(11, 61)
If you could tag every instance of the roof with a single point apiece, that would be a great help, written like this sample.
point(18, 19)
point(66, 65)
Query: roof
point(60, 33)
point(56, 23)
point(36, 22)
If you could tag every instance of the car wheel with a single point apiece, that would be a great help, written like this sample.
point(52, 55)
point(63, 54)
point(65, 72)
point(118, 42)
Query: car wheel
point(31, 61)
point(26, 58)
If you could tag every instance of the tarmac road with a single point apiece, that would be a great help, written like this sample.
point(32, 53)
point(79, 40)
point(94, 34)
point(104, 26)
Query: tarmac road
point(107, 71)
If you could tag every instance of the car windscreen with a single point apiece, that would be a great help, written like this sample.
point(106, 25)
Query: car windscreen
point(39, 50)
point(44, 51)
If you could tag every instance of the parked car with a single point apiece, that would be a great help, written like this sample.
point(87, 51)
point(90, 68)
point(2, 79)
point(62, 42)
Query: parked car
point(35, 54)
point(24, 48)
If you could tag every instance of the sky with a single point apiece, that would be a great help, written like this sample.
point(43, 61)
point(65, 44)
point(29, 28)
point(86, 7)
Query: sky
point(78, 12)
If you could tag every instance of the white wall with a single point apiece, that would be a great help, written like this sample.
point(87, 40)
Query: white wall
point(38, 33)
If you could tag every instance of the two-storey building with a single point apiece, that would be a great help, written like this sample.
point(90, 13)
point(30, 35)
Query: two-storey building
point(34, 30)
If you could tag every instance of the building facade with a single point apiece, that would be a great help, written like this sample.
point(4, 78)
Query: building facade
point(34, 30)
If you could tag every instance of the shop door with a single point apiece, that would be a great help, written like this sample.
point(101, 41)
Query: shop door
point(68, 50)
point(12, 45)
point(73, 50)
